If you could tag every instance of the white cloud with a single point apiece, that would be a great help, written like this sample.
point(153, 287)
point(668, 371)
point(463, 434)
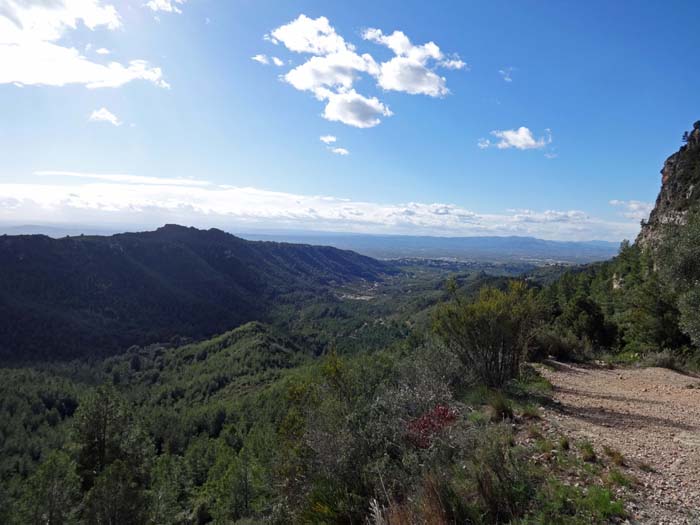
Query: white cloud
point(327, 139)
point(409, 70)
point(354, 109)
point(104, 115)
point(521, 138)
point(308, 35)
point(632, 209)
point(336, 71)
point(506, 73)
point(30, 52)
point(124, 200)
point(277, 61)
point(262, 59)
point(167, 6)
point(340, 151)
point(454, 63)
point(102, 51)
point(331, 73)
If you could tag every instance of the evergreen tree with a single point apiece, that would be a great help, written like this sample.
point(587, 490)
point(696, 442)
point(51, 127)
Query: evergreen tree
point(680, 266)
point(168, 491)
point(106, 432)
point(52, 493)
point(116, 497)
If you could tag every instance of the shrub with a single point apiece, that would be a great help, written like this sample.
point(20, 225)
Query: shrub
point(501, 407)
point(587, 452)
point(567, 504)
point(530, 412)
point(564, 443)
point(562, 346)
point(533, 432)
point(617, 478)
point(615, 456)
point(664, 359)
point(494, 486)
point(422, 430)
point(490, 335)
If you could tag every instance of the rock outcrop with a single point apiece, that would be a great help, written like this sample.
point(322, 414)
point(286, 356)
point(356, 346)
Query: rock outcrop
point(680, 190)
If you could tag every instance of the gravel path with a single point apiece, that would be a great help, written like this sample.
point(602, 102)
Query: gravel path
point(650, 415)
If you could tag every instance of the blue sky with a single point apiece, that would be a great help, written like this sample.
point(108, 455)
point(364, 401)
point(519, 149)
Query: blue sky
point(549, 119)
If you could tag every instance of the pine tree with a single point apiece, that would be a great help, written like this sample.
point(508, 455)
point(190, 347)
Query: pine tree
point(52, 492)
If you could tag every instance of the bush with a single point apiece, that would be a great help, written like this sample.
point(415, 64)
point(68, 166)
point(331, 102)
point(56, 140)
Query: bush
point(587, 452)
point(490, 335)
point(615, 456)
point(501, 407)
point(550, 342)
point(663, 359)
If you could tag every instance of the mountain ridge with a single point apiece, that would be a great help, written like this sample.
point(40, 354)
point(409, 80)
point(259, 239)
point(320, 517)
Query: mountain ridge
point(100, 294)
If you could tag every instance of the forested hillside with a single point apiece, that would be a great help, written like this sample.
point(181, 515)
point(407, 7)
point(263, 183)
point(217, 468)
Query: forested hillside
point(644, 303)
point(92, 296)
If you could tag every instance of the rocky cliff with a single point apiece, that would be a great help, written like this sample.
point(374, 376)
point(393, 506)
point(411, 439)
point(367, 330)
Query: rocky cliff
point(680, 189)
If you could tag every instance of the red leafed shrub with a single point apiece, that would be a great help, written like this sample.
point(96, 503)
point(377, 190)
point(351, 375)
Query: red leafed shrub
point(421, 431)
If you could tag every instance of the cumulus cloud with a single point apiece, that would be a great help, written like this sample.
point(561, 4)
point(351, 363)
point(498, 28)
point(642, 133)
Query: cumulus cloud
point(327, 139)
point(102, 51)
point(335, 66)
point(521, 138)
point(409, 70)
point(632, 209)
point(340, 151)
point(32, 52)
point(336, 72)
point(277, 61)
point(166, 6)
point(104, 115)
point(108, 199)
point(353, 109)
point(308, 35)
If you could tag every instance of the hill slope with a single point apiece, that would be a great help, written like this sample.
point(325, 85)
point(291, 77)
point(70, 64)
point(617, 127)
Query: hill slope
point(96, 295)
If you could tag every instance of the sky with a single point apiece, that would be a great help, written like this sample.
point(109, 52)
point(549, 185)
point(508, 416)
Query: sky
point(546, 119)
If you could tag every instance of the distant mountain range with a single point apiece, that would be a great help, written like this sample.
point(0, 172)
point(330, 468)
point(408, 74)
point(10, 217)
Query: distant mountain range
point(94, 295)
point(483, 249)
point(494, 249)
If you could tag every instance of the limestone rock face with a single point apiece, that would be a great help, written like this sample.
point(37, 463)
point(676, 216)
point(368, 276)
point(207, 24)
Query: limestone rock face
point(680, 190)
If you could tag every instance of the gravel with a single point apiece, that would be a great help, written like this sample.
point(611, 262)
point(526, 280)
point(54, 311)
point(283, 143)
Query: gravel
point(651, 416)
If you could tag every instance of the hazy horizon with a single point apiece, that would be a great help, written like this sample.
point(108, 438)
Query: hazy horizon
point(61, 228)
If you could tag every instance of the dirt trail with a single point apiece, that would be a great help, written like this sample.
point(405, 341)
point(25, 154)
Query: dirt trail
point(650, 415)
